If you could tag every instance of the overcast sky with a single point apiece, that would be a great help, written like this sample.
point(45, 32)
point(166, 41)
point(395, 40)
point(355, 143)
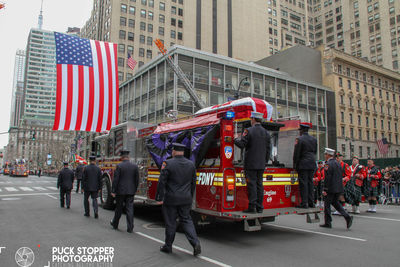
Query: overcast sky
point(16, 20)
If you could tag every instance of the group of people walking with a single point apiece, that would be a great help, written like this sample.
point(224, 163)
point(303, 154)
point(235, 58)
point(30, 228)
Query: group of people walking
point(175, 192)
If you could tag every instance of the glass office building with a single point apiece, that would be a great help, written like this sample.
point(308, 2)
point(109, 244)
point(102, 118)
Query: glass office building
point(155, 91)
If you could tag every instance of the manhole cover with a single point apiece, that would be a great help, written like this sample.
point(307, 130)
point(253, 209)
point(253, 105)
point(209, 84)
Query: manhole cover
point(153, 225)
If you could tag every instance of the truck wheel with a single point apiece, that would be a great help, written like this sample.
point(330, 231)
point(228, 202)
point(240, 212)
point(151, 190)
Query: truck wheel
point(107, 201)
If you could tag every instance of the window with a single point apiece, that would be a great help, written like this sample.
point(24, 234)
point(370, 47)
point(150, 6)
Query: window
point(132, 10)
point(180, 12)
point(365, 89)
point(342, 116)
point(161, 30)
point(121, 48)
point(340, 82)
point(142, 39)
point(351, 118)
point(151, 3)
point(351, 133)
point(143, 13)
point(149, 54)
point(141, 52)
point(124, 8)
point(173, 10)
point(121, 62)
point(374, 123)
point(349, 84)
point(122, 21)
point(180, 23)
point(359, 120)
point(122, 34)
point(359, 134)
point(173, 34)
point(161, 19)
point(142, 26)
point(150, 27)
point(130, 36)
point(162, 6)
point(367, 121)
point(150, 15)
point(361, 151)
point(149, 40)
point(368, 135)
point(131, 23)
point(144, 2)
point(180, 36)
point(130, 49)
point(343, 131)
point(173, 22)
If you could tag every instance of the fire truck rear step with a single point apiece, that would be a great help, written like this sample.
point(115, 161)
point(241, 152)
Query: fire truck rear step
point(253, 226)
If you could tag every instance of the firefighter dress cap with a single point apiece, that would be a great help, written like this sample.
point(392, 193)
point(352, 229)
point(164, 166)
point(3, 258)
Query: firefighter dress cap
point(92, 157)
point(305, 125)
point(124, 152)
point(178, 147)
point(256, 115)
point(65, 163)
point(329, 151)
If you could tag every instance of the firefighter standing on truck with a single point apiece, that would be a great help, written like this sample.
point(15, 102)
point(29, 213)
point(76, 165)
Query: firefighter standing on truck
point(304, 163)
point(257, 142)
point(176, 187)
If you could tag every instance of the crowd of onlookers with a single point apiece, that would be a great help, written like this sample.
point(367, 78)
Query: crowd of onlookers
point(390, 187)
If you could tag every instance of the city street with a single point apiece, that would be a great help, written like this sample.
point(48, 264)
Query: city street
point(30, 216)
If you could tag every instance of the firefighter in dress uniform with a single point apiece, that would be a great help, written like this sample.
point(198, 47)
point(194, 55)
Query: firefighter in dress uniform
point(354, 187)
point(175, 190)
point(91, 185)
point(257, 144)
point(304, 163)
point(124, 187)
point(318, 183)
point(78, 175)
point(346, 178)
point(65, 183)
point(333, 188)
point(373, 175)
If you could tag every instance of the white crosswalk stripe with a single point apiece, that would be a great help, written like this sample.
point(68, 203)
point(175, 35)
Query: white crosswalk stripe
point(39, 188)
point(23, 188)
point(52, 187)
point(11, 189)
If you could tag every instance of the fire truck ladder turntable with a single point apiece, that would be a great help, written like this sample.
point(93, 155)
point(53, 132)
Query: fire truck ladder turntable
point(178, 71)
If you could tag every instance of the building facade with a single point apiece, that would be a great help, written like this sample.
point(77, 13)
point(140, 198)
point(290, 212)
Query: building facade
point(18, 88)
point(367, 104)
point(155, 91)
point(367, 96)
point(368, 29)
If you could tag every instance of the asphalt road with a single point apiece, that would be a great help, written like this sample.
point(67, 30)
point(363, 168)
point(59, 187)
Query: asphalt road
point(30, 216)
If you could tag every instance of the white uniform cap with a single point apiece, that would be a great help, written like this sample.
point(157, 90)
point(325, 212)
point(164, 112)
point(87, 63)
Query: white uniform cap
point(329, 151)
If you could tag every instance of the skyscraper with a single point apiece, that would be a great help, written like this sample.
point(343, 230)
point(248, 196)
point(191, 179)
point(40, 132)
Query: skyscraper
point(18, 87)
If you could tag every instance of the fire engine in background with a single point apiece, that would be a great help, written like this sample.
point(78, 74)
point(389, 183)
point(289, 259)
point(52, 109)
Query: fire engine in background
point(7, 166)
point(19, 168)
point(221, 190)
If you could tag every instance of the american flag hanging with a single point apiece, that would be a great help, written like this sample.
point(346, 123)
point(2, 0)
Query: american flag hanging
point(87, 84)
point(383, 146)
point(131, 62)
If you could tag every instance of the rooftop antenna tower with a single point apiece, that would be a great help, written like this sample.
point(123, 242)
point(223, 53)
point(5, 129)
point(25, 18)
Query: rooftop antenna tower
point(40, 23)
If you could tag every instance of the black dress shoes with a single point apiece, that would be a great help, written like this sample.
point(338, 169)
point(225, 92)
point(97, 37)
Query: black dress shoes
point(113, 226)
point(325, 225)
point(197, 250)
point(96, 216)
point(86, 215)
point(166, 249)
point(349, 222)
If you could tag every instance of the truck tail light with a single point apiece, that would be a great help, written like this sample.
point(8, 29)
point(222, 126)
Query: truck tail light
point(230, 188)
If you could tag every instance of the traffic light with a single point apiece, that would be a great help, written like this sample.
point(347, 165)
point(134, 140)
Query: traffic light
point(33, 135)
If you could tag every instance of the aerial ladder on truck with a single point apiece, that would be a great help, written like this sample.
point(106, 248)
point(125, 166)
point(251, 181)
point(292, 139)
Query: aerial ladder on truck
point(179, 72)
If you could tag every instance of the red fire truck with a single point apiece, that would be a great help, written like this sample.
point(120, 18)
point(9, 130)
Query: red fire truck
point(19, 169)
point(221, 191)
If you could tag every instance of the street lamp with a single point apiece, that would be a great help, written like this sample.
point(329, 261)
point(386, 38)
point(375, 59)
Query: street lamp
point(245, 82)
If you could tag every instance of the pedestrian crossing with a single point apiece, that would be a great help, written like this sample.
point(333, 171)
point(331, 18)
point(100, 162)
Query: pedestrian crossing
point(15, 189)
